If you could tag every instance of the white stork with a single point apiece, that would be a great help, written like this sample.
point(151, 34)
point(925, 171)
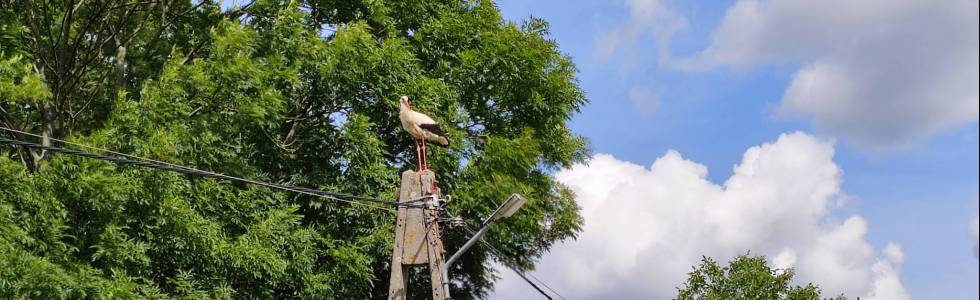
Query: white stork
point(423, 128)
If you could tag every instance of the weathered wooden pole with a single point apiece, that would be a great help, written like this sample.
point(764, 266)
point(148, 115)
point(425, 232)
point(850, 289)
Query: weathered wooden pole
point(418, 239)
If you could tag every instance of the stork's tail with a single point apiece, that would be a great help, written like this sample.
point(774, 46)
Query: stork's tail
point(435, 134)
point(441, 141)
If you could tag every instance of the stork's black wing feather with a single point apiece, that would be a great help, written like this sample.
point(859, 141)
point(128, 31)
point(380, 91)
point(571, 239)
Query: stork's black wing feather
point(433, 128)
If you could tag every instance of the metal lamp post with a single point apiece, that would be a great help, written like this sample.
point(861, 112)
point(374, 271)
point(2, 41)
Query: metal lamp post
point(513, 203)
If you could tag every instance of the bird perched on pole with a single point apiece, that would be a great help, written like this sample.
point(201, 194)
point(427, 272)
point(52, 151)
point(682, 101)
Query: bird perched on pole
point(423, 128)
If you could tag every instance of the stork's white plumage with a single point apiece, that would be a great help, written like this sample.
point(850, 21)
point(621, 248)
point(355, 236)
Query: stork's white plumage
point(423, 128)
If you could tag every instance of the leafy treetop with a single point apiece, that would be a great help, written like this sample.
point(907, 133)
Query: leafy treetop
point(745, 277)
point(297, 92)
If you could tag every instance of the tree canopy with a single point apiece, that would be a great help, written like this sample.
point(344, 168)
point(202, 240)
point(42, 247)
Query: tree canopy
point(296, 92)
point(745, 277)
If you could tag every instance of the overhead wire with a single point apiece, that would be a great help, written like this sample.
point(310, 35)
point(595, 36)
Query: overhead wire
point(522, 274)
point(506, 261)
point(129, 159)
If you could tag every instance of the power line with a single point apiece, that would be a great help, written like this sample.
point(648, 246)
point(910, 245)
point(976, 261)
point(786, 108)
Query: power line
point(506, 262)
point(522, 274)
point(519, 273)
point(127, 159)
point(195, 172)
point(213, 174)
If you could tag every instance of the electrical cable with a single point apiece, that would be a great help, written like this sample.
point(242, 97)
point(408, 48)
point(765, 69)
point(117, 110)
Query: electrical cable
point(506, 262)
point(522, 274)
point(127, 159)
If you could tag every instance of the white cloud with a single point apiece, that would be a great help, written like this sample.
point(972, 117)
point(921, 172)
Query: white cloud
point(645, 228)
point(888, 285)
point(644, 100)
point(883, 74)
point(646, 17)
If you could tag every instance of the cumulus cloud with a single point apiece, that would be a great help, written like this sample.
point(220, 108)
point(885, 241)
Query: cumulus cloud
point(887, 284)
point(881, 73)
point(645, 228)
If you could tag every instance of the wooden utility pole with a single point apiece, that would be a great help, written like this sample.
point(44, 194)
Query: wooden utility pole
point(418, 240)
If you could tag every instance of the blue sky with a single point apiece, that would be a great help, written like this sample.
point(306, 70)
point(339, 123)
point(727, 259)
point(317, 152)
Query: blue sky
point(918, 190)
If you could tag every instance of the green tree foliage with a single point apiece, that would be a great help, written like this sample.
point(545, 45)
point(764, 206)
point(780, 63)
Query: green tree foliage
point(745, 277)
point(296, 92)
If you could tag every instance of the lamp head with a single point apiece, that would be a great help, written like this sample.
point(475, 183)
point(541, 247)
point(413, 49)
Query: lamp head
point(511, 206)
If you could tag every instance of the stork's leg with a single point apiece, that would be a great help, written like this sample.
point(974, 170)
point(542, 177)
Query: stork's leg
point(425, 154)
point(421, 155)
point(418, 154)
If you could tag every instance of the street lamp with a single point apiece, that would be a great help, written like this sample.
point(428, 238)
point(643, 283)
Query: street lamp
point(513, 203)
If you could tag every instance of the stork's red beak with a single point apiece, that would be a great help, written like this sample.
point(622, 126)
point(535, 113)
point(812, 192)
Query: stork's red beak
point(404, 100)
